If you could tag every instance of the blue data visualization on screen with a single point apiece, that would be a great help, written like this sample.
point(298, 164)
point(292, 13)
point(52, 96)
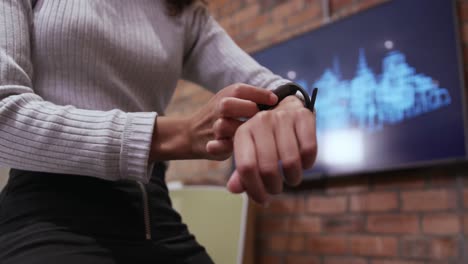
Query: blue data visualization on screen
point(390, 86)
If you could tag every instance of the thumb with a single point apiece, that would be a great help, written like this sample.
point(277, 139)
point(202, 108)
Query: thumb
point(234, 184)
point(219, 148)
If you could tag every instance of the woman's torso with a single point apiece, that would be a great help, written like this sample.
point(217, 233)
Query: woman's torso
point(100, 55)
point(107, 54)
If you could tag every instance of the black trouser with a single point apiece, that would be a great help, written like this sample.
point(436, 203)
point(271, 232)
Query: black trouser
point(54, 218)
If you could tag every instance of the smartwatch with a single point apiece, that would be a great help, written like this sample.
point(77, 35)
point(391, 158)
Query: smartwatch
point(288, 89)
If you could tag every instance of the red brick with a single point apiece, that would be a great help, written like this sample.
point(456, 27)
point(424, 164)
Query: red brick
point(465, 58)
point(292, 259)
point(374, 202)
point(229, 8)
point(343, 224)
point(274, 243)
point(296, 243)
point(269, 31)
point(254, 24)
point(336, 5)
point(234, 30)
point(430, 200)
point(268, 5)
point(245, 14)
point(262, 243)
point(267, 225)
point(443, 180)
point(465, 224)
point(463, 10)
point(465, 198)
point(309, 14)
point(397, 262)
point(365, 4)
point(334, 245)
point(444, 248)
point(245, 40)
point(305, 225)
point(465, 247)
point(344, 260)
point(464, 32)
point(286, 9)
point(226, 23)
point(327, 205)
point(295, 31)
point(284, 204)
point(374, 246)
point(416, 247)
point(269, 259)
point(441, 224)
point(393, 224)
point(217, 3)
point(257, 46)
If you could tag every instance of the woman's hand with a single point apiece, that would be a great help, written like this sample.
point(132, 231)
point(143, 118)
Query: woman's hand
point(285, 134)
point(208, 133)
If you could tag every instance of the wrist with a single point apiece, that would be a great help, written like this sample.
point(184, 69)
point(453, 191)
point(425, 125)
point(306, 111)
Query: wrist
point(289, 89)
point(171, 139)
point(290, 102)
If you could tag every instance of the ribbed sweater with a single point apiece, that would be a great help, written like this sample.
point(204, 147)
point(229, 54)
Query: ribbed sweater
point(82, 81)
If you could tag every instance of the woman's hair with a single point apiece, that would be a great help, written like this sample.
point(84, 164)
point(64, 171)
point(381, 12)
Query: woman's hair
point(175, 7)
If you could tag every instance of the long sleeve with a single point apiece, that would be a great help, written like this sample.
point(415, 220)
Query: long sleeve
point(42, 136)
point(213, 60)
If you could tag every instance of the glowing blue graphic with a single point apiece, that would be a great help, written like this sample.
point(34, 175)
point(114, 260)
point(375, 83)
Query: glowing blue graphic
point(369, 101)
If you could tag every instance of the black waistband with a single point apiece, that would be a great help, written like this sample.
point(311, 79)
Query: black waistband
point(159, 171)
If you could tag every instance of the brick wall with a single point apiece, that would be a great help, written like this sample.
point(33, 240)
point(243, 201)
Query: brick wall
point(407, 217)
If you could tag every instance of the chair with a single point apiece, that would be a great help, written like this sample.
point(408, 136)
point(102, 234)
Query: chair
point(217, 218)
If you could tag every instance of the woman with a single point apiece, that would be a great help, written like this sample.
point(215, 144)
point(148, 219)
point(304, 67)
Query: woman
point(83, 87)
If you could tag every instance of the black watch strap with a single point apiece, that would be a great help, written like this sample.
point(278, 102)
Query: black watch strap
point(291, 89)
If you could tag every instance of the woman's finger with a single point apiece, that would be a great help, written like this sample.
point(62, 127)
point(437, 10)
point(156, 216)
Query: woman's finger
point(288, 149)
point(231, 107)
point(220, 149)
point(306, 137)
point(267, 153)
point(234, 183)
point(252, 93)
point(247, 166)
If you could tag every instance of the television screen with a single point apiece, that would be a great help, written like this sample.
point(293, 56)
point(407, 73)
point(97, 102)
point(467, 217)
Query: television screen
point(390, 87)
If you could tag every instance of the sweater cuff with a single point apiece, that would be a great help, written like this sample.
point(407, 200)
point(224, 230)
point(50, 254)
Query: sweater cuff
point(136, 146)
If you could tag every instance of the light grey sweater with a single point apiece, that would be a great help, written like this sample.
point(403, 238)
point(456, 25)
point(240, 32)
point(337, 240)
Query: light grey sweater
point(82, 81)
